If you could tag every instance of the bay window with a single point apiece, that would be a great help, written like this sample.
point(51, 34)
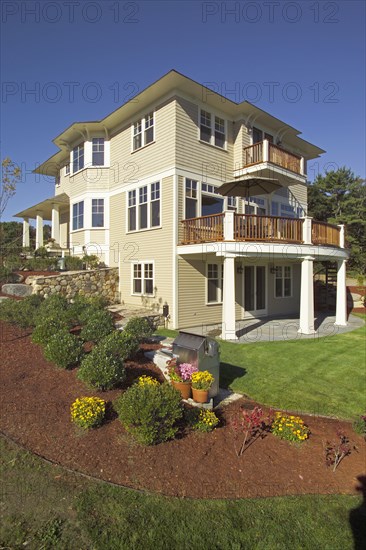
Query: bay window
point(78, 158)
point(97, 212)
point(78, 216)
point(98, 151)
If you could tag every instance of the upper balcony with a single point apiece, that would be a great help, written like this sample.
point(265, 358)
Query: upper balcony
point(230, 227)
point(265, 159)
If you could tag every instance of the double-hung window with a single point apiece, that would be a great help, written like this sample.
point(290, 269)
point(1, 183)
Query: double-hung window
point(78, 215)
point(283, 281)
point(143, 279)
point(132, 210)
point(212, 129)
point(191, 198)
point(144, 207)
point(214, 283)
point(98, 152)
point(232, 203)
point(97, 212)
point(143, 131)
point(78, 157)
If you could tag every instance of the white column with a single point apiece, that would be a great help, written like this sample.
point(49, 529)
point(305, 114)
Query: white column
point(265, 150)
point(228, 300)
point(341, 236)
point(25, 233)
point(307, 297)
point(39, 229)
point(55, 228)
point(306, 230)
point(229, 225)
point(341, 304)
point(302, 166)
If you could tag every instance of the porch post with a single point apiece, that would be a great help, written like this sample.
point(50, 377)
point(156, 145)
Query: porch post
point(55, 228)
point(265, 150)
point(25, 243)
point(229, 221)
point(39, 229)
point(306, 230)
point(341, 304)
point(228, 300)
point(307, 297)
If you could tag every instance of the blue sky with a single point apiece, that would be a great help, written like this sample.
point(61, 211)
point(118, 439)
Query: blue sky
point(304, 62)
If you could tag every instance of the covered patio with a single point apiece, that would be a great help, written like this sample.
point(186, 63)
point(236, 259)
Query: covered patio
point(280, 329)
point(51, 210)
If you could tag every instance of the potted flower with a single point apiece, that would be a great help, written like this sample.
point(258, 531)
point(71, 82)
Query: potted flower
point(180, 377)
point(201, 383)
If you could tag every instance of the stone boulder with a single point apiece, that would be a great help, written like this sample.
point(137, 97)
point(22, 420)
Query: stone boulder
point(17, 289)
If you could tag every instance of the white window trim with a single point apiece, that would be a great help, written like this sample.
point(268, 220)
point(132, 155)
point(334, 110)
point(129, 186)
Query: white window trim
point(72, 216)
point(149, 202)
point(221, 279)
point(283, 297)
point(211, 143)
point(143, 263)
point(143, 129)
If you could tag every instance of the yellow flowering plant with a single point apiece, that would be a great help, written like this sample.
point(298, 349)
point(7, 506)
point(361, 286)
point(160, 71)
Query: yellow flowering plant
point(87, 412)
point(201, 419)
point(202, 380)
point(145, 380)
point(289, 427)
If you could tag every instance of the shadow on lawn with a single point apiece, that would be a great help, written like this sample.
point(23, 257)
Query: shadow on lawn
point(229, 373)
point(357, 518)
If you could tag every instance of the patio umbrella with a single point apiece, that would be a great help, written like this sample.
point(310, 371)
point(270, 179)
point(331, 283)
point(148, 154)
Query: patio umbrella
point(249, 187)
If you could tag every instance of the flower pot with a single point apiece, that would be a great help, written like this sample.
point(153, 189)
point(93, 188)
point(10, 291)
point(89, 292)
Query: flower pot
point(184, 388)
point(200, 396)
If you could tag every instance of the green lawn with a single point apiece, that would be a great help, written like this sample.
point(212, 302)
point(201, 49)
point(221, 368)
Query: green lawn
point(320, 376)
point(44, 507)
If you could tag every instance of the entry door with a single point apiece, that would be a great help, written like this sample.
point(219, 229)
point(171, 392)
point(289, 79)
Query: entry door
point(255, 295)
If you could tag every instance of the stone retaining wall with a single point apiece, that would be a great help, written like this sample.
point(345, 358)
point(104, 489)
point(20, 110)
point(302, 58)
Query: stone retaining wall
point(98, 282)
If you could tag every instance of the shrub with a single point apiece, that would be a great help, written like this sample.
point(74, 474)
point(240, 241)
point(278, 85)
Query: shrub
point(22, 313)
point(53, 306)
point(91, 260)
point(289, 427)
point(73, 263)
point(120, 344)
point(41, 264)
point(87, 412)
point(97, 325)
point(150, 412)
point(101, 369)
point(359, 425)
point(202, 420)
point(47, 328)
point(139, 327)
point(63, 349)
point(41, 252)
point(82, 307)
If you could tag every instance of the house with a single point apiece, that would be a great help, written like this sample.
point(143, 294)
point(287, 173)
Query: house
point(140, 188)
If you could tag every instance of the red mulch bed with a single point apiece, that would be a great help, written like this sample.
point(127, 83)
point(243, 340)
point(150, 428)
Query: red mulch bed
point(36, 397)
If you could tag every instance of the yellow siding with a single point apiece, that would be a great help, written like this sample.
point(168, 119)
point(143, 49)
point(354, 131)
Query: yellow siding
point(98, 236)
point(154, 245)
point(200, 157)
point(90, 179)
point(128, 166)
point(300, 193)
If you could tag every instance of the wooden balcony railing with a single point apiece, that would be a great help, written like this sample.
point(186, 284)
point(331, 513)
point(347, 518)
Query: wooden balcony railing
point(249, 227)
point(283, 158)
point(204, 229)
point(267, 228)
point(265, 151)
point(325, 233)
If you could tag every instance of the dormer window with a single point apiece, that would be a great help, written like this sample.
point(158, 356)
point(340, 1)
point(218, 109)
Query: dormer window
point(98, 152)
point(78, 158)
point(212, 129)
point(143, 131)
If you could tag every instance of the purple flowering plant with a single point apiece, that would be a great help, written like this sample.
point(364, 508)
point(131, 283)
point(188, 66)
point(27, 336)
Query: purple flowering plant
point(182, 372)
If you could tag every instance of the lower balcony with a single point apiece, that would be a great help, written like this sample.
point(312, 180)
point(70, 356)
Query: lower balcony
point(230, 226)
